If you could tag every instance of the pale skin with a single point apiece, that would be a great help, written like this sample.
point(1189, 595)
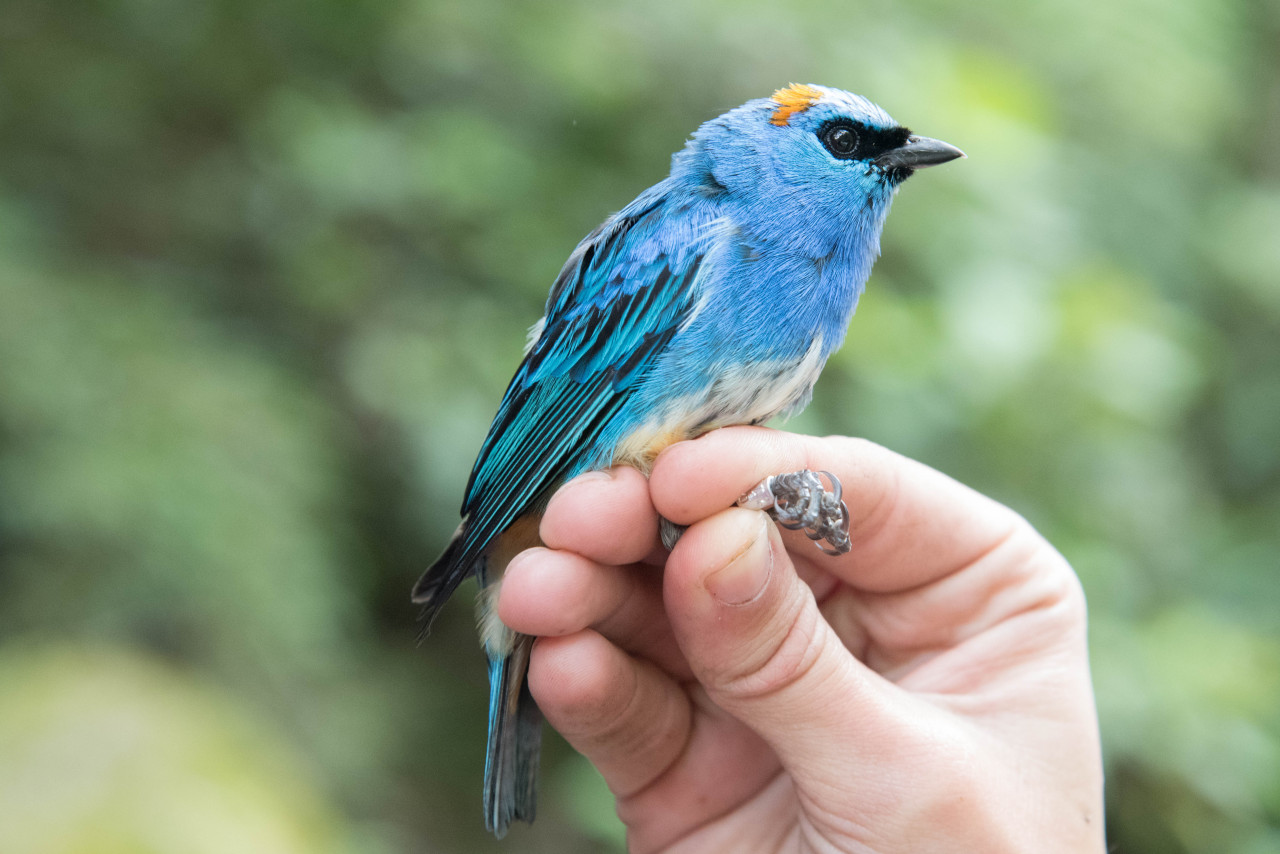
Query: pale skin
point(928, 691)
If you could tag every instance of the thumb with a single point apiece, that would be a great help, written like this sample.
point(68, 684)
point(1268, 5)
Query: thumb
point(754, 637)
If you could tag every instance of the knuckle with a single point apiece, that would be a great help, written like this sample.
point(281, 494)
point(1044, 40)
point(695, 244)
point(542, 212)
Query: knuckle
point(581, 698)
point(780, 660)
point(1052, 588)
point(1046, 563)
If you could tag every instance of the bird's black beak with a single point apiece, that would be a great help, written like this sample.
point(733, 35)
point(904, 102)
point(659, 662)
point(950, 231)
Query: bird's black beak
point(917, 153)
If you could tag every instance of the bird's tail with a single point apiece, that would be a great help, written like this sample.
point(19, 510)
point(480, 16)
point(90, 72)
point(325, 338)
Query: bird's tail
point(515, 740)
point(442, 578)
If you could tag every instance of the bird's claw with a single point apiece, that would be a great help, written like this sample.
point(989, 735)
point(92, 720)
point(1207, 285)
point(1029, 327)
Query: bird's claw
point(800, 501)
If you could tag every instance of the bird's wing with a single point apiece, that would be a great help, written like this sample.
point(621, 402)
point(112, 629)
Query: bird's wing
point(617, 303)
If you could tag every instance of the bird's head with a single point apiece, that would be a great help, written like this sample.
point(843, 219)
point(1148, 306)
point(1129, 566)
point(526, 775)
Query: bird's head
point(810, 165)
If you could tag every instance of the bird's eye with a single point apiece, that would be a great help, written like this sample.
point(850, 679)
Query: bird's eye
point(840, 138)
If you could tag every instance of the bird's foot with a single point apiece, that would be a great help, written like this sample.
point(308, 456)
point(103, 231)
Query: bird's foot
point(670, 532)
point(800, 501)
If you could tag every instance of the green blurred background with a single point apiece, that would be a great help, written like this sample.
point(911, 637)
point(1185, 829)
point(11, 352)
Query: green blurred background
point(265, 268)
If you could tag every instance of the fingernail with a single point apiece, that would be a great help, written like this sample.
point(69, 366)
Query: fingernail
point(585, 478)
point(670, 449)
point(522, 558)
point(745, 577)
point(593, 476)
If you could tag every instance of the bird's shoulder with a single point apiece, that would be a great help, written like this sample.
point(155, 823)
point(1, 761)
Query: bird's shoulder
point(634, 278)
point(667, 226)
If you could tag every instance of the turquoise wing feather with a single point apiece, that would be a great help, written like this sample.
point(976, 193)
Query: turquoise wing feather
point(619, 300)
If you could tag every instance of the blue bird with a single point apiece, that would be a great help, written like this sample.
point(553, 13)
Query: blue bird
point(713, 299)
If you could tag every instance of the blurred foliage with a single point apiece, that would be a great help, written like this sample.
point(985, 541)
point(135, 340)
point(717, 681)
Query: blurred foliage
point(265, 268)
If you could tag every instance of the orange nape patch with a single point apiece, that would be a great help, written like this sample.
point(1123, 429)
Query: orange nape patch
point(796, 98)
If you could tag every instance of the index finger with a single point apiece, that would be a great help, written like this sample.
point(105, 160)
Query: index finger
point(909, 524)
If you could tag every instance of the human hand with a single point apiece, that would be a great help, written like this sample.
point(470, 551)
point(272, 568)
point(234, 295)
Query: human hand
point(927, 691)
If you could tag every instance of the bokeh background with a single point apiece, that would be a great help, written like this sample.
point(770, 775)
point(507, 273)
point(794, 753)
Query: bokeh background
point(266, 266)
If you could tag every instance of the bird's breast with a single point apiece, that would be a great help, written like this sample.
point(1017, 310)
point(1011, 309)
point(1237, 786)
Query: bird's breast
point(743, 392)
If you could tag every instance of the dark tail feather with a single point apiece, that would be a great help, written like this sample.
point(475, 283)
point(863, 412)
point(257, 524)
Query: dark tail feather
point(515, 740)
point(440, 580)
